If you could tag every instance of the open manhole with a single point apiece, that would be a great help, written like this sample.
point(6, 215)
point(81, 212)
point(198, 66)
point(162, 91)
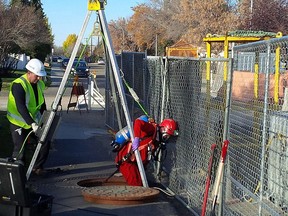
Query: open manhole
point(116, 192)
point(95, 182)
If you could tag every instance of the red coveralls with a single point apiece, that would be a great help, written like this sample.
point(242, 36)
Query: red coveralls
point(146, 131)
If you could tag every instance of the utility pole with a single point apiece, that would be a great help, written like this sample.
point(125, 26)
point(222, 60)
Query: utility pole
point(156, 45)
point(123, 38)
point(91, 48)
point(251, 13)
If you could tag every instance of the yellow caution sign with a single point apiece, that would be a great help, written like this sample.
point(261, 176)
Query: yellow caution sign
point(94, 5)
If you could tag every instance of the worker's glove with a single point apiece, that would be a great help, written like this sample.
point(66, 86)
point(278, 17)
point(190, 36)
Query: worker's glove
point(34, 127)
point(135, 143)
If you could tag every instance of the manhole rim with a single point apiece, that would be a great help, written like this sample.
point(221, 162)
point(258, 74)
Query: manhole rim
point(99, 198)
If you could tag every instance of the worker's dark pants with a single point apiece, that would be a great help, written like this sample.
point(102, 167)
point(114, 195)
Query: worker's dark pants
point(20, 149)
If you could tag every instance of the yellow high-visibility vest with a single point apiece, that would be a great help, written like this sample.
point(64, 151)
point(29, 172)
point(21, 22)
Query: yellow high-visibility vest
point(34, 110)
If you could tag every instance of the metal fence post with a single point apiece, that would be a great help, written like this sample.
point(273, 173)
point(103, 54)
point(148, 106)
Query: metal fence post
point(226, 135)
point(264, 129)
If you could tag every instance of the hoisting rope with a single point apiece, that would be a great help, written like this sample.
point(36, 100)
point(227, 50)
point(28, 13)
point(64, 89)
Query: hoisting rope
point(133, 94)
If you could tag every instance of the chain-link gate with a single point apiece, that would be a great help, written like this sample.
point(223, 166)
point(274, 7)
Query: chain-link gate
point(197, 100)
point(257, 174)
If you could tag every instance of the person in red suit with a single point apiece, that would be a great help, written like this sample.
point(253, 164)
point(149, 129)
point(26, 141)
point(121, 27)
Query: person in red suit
point(148, 137)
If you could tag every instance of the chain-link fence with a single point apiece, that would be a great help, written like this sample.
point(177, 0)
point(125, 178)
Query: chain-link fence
point(134, 75)
point(209, 108)
point(177, 88)
point(201, 117)
point(257, 173)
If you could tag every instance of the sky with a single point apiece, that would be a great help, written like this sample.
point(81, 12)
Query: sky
point(67, 16)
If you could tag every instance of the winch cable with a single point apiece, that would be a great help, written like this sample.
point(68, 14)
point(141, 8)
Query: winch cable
point(23, 144)
point(84, 48)
point(133, 94)
point(164, 191)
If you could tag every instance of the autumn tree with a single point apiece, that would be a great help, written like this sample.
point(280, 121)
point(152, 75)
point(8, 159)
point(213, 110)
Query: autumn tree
point(69, 43)
point(164, 16)
point(121, 37)
point(192, 20)
point(117, 33)
point(169, 21)
point(143, 28)
point(264, 15)
point(164, 22)
point(98, 52)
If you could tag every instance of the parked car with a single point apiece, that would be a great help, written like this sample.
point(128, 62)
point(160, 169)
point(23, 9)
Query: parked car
point(54, 58)
point(60, 59)
point(65, 62)
point(80, 69)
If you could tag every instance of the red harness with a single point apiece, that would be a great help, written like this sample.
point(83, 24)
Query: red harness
point(147, 146)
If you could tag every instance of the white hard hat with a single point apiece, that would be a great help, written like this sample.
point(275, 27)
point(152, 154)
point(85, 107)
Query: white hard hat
point(36, 67)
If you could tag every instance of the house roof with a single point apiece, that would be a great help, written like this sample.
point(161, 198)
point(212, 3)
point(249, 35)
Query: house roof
point(182, 43)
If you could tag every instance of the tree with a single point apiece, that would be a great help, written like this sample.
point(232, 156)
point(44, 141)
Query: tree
point(35, 3)
point(41, 49)
point(121, 38)
point(264, 15)
point(143, 28)
point(69, 44)
point(58, 51)
point(164, 16)
point(171, 21)
point(192, 20)
point(23, 30)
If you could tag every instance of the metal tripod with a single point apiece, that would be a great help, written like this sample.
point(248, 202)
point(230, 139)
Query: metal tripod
point(116, 73)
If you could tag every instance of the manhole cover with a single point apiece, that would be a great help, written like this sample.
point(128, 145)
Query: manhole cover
point(119, 194)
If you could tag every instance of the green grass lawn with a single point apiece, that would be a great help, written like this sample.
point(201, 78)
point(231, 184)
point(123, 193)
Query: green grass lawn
point(6, 144)
point(6, 81)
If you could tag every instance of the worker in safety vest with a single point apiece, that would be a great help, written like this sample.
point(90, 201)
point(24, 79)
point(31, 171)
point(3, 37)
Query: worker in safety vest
point(149, 137)
point(25, 106)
